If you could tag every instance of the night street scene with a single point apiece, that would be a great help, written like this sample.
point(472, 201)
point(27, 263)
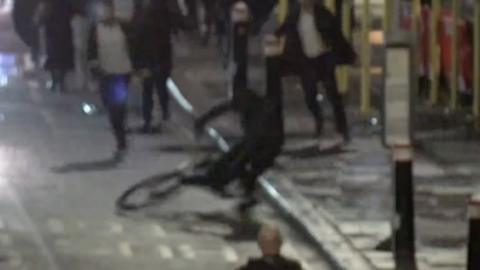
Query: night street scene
point(239, 134)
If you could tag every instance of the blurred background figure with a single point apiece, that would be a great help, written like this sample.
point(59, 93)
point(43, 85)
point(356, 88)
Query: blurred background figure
point(270, 243)
point(314, 46)
point(154, 23)
point(55, 16)
point(27, 28)
point(111, 58)
point(80, 27)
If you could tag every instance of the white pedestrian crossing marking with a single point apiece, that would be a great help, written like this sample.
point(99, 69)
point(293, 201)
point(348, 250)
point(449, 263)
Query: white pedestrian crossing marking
point(230, 254)
point(165, 251)
point(158, 231)
point(56, 226)
point(125, 249)
point(116, 228)
point(187, 252)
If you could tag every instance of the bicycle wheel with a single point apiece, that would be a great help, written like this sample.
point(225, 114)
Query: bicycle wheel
point(149, 191)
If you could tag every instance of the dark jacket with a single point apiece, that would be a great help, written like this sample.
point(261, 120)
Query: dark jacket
point(58, 32)
point(329, 29)
point(153, 26)
point(271, 263)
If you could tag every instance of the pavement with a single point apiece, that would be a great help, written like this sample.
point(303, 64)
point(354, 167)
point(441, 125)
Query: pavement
point(59, 185)
point(342, 198)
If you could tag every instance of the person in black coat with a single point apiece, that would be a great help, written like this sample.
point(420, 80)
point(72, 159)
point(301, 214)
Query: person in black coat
point(314, 46)
point(56, 16)
point(154, 23)
point(270, 243)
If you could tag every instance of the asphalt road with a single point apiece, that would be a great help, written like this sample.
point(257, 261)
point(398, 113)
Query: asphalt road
point(58, 188)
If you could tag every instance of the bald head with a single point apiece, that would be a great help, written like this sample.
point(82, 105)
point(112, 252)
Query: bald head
point(269, 240)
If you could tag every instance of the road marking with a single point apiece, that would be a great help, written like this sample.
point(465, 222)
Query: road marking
point(158, 231)
point(187, 252)
point(125, 249)
point(2, 225)
point(116, 228)
point(165, 251)
point(37, 237)
point(56, 226)
point(230, 254)
point(5, 240)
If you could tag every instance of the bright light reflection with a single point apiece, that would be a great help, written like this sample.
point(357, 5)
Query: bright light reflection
point(6, 7)
point(88, 109)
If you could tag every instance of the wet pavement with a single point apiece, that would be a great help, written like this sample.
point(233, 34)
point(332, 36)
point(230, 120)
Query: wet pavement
point(351, 186)
point(59, 184)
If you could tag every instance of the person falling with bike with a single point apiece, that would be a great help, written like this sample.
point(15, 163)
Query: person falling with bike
point(263, 137)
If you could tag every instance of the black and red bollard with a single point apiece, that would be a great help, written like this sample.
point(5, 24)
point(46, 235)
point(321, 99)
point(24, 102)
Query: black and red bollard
point(474, 233)
point(241, 24)
point(403, 223)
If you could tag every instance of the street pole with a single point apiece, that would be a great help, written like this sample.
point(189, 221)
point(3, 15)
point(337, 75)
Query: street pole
point(476, 64)
point(397, 119)
point(474, 233)
point(240, 21)
point(366, 84)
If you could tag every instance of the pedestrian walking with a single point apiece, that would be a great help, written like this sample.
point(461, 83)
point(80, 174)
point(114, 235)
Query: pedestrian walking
point(270, 243)
point(154, 23)
point(56, 17)
point(80, 27)
point(314, 46)
point(111, 59)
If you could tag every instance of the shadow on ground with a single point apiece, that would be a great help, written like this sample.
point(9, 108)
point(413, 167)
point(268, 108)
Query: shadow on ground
point(96, 165)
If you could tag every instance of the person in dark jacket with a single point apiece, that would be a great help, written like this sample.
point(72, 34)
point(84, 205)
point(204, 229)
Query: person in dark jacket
point(56, 16)
point(270, 243)
point(111, 59)
point(314, 46)
point(154, 23)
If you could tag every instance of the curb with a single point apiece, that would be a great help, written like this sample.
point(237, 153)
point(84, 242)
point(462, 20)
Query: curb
point(313, 223)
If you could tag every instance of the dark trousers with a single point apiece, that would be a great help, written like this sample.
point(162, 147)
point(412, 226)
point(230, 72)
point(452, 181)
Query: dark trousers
point(243, 161)
point(158, 80)
point(117, 112)
point(323, 68)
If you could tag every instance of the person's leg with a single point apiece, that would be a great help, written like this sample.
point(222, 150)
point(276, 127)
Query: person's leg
point(161, 77)
point(335, 98)
point(147, 103)
point(118, 115)
point(309, 85)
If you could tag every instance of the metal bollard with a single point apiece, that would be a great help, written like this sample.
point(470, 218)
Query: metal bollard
point(455, 59)
point(474, 233)
point(366, 85)
point(240, 20)
point(476, 63)
point(403, 224)
point(434, 53)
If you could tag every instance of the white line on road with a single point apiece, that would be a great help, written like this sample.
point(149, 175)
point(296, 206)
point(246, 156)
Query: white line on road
point(230, 254)
point(158, 231)
point(165, 251)
point(37, 237)
point(56, 226)
point(187, 252)
point(125, 249)
point(116, 228)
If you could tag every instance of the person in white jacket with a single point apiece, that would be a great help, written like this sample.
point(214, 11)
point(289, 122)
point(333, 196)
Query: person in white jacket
point(110, 57)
